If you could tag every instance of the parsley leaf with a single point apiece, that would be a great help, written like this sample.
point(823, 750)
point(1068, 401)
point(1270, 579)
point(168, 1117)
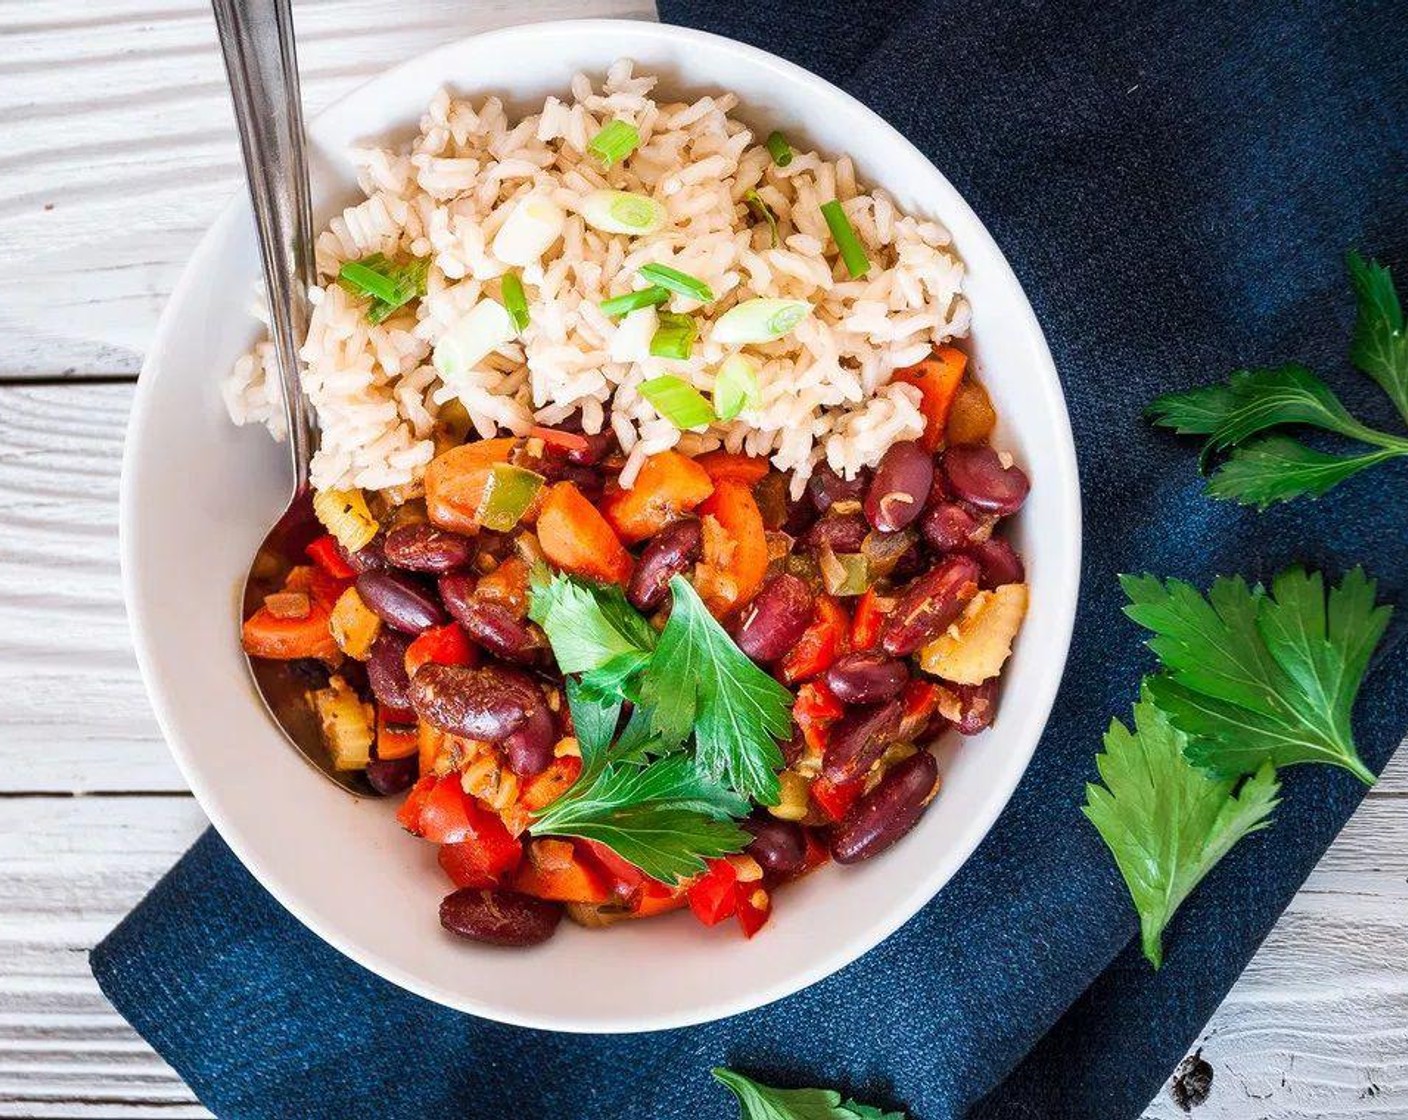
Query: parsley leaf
point(757, 1101)
point(594, 720)
point(1253, 678)
point(664, 818)
point(1278, 468)
point(698, 679)
point(1166, 822)
point(1275, 468)
point(1380, 346)
point(590, 625)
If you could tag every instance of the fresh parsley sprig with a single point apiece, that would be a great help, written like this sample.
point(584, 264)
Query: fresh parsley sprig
point(1261, 468)
point(757, 1101)
point(1165, 821)
point(1253, 677)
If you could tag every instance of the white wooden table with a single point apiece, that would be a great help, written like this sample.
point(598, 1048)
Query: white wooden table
point(118, 149)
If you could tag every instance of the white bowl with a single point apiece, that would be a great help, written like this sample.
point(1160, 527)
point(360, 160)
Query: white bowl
point(198, 494)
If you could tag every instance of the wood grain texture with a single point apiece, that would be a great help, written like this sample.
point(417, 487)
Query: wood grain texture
point(120, 149)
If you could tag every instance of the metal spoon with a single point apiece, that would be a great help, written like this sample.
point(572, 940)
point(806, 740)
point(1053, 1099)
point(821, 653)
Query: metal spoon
point(256, 37)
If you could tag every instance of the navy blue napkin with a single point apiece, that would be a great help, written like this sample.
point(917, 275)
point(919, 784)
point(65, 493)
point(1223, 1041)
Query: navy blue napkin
point(1175, 186)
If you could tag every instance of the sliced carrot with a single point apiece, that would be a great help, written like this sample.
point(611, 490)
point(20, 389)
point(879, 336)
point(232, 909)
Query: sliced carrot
point(580, 540)
point(668, 485)
point(568, 441)
point(736, 556)
point(937, 378)
point(554, 871)
point(454, 482)
point(506, 584)
point(545, 788)
point(265, 634)
point(397, 733)
point(721, 465)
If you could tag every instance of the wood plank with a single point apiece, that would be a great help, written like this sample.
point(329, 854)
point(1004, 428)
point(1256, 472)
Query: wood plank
point(120, 150)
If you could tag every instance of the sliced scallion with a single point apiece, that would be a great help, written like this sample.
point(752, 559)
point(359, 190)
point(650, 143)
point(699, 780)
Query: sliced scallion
point(367, 277)
point(622, 212)
point(852, 252)
point(779, 147)
point(677, 401)
point(652, 296)
point(389, 285)
point(736, 386)
point(674, 336)
point(762, 211)
point(759, 320)
point(615, 141)
point(515, 300)
point(480, 331)
point(676, 281)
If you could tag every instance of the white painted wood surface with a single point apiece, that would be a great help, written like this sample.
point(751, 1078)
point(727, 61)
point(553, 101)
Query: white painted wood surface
point(114, 113)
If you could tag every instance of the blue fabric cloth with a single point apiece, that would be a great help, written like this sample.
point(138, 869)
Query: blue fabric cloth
point(1175, 185)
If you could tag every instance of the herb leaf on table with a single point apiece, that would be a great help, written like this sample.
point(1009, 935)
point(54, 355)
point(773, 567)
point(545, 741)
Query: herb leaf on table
point(1165, 821)
point(1380, 345)
point(664, 818)
point(1234, 417)
point(1254, 678)
point(757, 1101)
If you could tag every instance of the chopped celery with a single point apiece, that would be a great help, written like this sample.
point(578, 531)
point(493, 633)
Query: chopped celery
point(354, 626)
point(346, 722)
point(844, 573)
point(345, 515)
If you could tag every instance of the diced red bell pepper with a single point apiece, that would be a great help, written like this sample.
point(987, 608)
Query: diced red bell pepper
point(324, 553)
point(545, 788)
point(754, 907)
point(817, 852)
point(628, 882)
point(474, 863)
point(714, 895)
point(443, 645)
point(865, 627)
point(834, 800)
point(555, 437)
point(408, 815)
point(815, 710)
point(657, 898)
point(439, 810)
point(921, 701)
point(821, 644)
point(555, 871)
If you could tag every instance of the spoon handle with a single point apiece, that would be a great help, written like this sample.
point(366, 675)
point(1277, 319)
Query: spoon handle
point(256, 37)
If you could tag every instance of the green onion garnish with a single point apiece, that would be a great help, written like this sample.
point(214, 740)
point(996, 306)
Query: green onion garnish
point(857, 264)
point(762, 211)
point(759, 320)
point(515, 301)
point(367, 280)
point(674, 337)
point(615, 141)
point(389, 285)
point(652, 296)
point(677, 281)
point(736, 386)
point(677, 401)
point(622, 212)
point(781, 150)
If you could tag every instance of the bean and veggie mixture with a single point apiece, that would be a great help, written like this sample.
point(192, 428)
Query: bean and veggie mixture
point(617, 702)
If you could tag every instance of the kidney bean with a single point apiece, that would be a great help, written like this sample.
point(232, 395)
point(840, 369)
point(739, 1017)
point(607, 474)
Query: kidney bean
point(794, 748)
point(491, 624)
point(927, 605)
point(801, 515)
point(489, 704)
point(977, 475)
point(842, 532)
point(498, 917)
point(529, 749)
point(998, 562)
point(859, 739)
point(909, 565)
point(778, 846)
point(670, 552)
point(399, 601)
point(897, 493)
point(386, 670)
point(390, 776)
point(977, 706)
point(371, 557)
point(424, 547)
point(866, 677)
point(950, 526)
point(826, 488)
point(597, 449)
point(776, 618)
point(588, 480)
point(888, 811)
